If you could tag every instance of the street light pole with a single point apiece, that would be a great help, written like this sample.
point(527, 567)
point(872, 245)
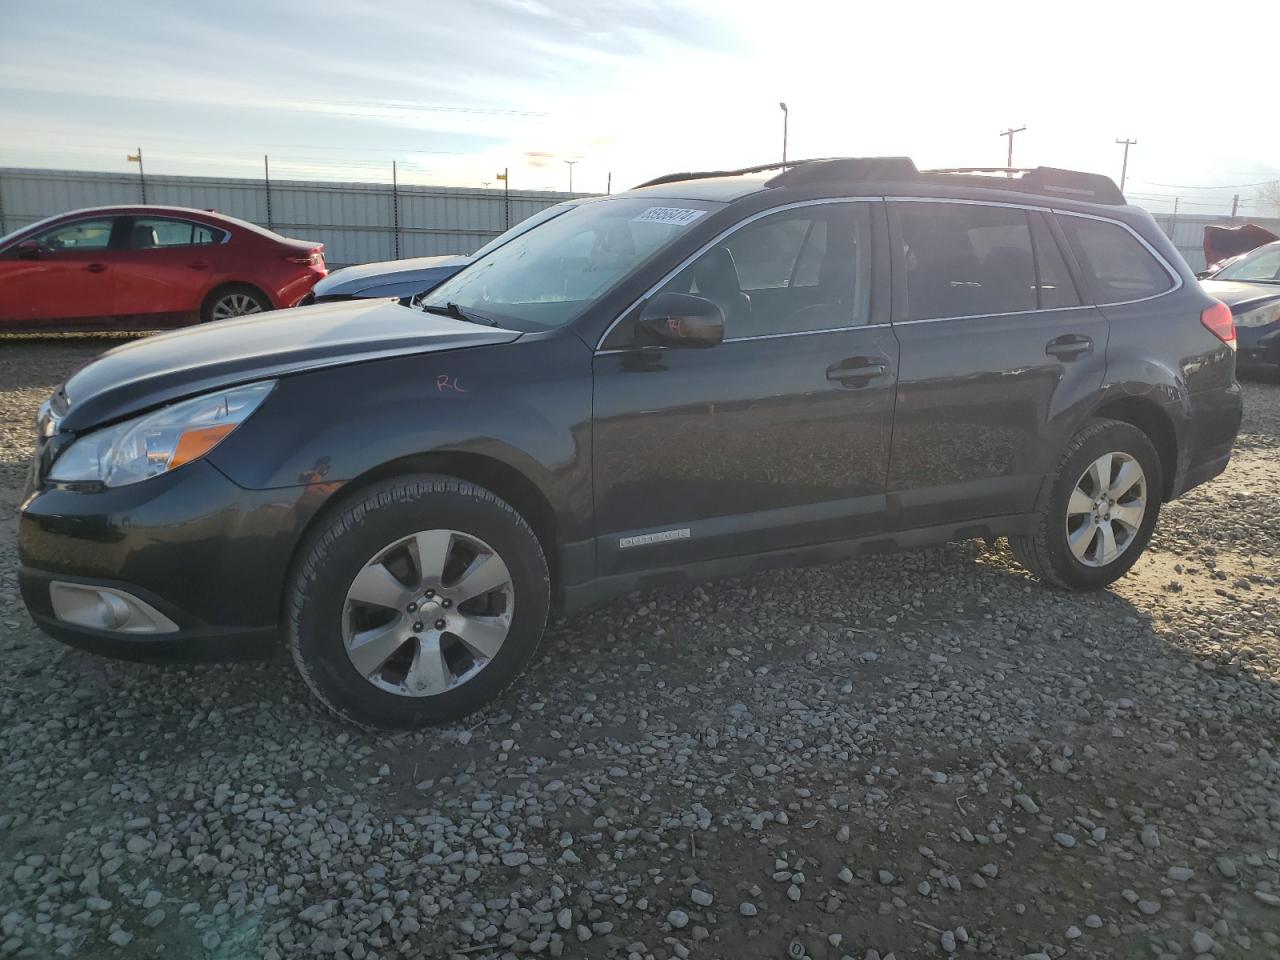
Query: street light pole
point(1009, 133)
point(570, 164)
point(1124, 167)
point(506, 197)
point(785, 116)
point(142, 177)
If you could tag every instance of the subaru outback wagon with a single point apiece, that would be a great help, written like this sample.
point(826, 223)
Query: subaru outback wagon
point(704, 376)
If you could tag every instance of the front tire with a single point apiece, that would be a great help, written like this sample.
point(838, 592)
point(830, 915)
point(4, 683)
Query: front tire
point(417, 602)
point(1101, 509)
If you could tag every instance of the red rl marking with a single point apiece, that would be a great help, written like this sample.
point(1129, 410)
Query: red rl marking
point(445, 382)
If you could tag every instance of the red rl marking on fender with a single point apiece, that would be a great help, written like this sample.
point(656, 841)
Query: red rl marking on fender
point(444, 383)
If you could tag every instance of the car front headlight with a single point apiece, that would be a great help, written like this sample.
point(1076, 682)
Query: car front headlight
point(159, 441)
point(1259, 316)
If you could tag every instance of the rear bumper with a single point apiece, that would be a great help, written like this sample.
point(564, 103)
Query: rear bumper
point(1210, 437)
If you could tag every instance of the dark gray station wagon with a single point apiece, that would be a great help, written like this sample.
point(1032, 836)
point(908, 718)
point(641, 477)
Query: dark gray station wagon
point(709, 374)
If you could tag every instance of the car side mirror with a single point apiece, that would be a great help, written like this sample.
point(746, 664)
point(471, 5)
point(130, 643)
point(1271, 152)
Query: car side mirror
point(28, 250)
point(680, 320)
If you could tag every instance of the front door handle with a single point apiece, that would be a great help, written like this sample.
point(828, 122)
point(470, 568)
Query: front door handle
point(96, 267)
point(857, 371)
point(1069, 346)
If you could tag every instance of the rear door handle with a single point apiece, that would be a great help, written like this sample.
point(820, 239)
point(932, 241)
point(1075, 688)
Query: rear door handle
point(857, 371)
point(96, 267)
point(1069, 346)
point(199, 264)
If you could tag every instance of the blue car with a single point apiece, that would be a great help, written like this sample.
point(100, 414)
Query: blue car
point(1250, 286)
point(405, 279)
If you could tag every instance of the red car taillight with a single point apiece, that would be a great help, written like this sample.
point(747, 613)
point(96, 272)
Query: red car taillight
point(313, 259)
point(1217, 320)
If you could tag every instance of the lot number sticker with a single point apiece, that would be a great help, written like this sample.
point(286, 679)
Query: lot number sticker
point(675, 216)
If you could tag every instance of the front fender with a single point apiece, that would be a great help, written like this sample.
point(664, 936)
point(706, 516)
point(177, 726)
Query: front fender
point(526, 404)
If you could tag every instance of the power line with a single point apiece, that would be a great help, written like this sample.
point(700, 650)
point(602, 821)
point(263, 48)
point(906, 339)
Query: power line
point(1225, 186)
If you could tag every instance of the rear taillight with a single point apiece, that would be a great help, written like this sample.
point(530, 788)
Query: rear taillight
point(313, 259)
point(1217, 320)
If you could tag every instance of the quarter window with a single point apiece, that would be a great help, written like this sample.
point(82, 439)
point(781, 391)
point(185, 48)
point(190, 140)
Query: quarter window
point(796, 271)
point(1117, 264)
point(81, 235)
point(150, 232)
point(966, 259)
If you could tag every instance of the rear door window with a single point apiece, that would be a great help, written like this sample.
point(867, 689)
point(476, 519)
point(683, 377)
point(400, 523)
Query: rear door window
point(1117, 264)
point(150, 232)
point(966, 259)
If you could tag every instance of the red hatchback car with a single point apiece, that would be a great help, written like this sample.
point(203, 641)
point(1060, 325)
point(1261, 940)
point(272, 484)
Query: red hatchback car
point(147, 267)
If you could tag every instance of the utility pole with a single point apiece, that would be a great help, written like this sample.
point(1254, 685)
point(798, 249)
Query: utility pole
point(3, 231)
point(395, 206)
point(142, 177)
point(506, 197)
point(1009, 133)
point(1124, 167)
point(608, 184)
point(266, 179)
point(1235, 205)
point(786, 114)
point(569, 164)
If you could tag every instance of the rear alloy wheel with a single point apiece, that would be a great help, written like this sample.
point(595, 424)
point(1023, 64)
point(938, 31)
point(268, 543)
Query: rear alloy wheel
point(1100, 511)
point(235, 302)
point(416, 602)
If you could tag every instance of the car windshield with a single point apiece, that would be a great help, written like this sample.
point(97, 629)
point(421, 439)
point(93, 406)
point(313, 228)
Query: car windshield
point(524, 226)
point(1260, 266)
point(549, 276)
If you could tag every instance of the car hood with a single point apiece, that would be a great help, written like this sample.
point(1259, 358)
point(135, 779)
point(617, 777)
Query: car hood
point(349, 281)
point(160, 369)
point(1240, 295)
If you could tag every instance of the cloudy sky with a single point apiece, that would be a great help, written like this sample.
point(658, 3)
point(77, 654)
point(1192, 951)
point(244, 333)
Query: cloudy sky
point(454, 91)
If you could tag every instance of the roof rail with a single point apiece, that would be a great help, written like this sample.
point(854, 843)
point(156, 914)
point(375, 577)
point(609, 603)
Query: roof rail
point(1050, 181)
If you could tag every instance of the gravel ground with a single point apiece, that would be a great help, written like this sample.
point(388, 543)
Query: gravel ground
point(915, 755)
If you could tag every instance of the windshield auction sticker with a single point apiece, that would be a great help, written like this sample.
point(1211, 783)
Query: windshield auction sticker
point(675, 216)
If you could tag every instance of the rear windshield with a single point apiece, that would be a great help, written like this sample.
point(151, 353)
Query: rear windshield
point(550, 275)
point(1117, 263)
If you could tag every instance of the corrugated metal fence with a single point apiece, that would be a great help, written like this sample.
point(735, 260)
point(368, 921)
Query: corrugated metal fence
point(357, 222)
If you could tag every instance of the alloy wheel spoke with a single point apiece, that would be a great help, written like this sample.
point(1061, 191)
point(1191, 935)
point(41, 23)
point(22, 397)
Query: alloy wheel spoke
point(1128, 474)
point(1128, 514)
point(433, 548)
point(370, 649)
point(1079, 503)
point(1106, 543)
point(486, 573)
point(1100, 472)
point(1082, 538)
point(428, 674)
point(376, 586)
point(483, 636)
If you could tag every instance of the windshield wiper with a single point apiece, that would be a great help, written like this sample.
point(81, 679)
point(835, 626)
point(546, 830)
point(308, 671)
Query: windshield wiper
point(457, 313)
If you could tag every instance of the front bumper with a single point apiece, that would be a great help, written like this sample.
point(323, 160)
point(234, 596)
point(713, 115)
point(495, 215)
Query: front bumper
point(209, 555)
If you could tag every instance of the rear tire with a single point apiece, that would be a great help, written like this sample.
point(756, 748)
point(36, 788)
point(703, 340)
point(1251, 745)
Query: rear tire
point(1088, 533)
point(372, 628)
point(234, 300)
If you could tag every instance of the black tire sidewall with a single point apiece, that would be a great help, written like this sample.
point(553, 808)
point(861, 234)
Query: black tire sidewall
point(1113, 437)
point(344, 544)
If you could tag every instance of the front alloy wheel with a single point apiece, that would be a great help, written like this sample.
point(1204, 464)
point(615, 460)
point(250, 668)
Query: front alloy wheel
point(416, 601)
point(427, 613)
